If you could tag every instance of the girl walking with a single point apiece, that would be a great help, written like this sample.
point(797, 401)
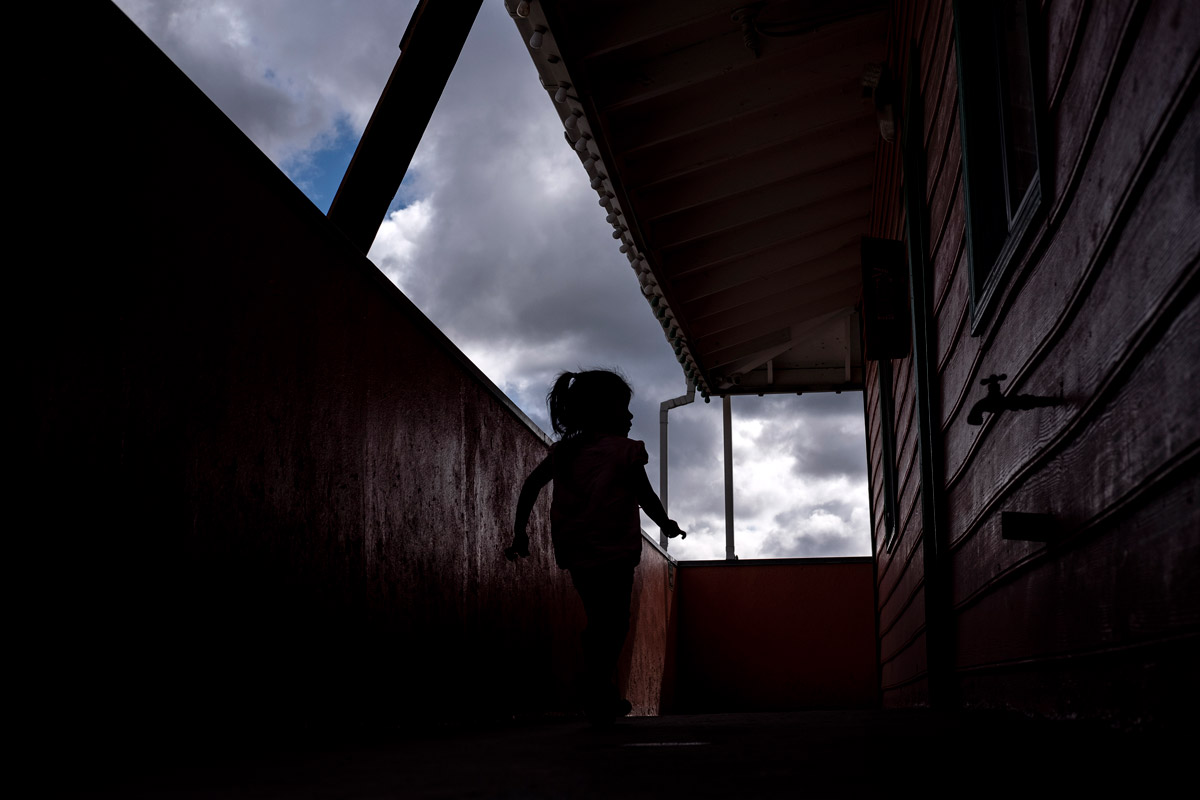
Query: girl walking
point(599, 480)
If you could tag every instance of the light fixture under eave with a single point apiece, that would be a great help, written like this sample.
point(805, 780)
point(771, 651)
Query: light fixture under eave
point(560, 94)
point(536, 38)
point(523, 9)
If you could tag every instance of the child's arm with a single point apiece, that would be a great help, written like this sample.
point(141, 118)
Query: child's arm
point(650, 503)
point(540, 476)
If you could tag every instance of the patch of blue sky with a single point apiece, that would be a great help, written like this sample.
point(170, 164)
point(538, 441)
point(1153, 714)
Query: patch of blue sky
point(409, 191)
point(318, 172)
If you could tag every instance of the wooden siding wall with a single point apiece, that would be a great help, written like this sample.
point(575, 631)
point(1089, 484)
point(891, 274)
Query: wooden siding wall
point(1101, 310)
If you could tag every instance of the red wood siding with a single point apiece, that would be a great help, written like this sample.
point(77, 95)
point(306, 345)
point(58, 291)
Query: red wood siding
point(1101, 311)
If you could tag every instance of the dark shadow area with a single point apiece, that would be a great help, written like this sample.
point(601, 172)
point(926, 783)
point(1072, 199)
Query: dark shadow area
point(816, 753)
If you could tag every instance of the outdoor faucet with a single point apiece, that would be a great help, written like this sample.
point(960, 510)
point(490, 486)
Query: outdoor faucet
point(996, 401)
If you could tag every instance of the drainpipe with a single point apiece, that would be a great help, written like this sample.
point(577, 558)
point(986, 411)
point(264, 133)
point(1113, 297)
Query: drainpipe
point(663, 408)
point(727, 424)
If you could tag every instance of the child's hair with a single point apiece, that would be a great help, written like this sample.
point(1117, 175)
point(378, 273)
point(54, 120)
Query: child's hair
point(581, 401)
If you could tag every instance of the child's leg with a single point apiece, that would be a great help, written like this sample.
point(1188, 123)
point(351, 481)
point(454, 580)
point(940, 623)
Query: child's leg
point(606, 592)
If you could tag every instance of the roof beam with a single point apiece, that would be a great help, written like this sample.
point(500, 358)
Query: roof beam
point(429, 51)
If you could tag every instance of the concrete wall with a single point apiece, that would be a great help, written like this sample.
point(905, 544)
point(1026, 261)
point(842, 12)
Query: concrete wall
point(774, 635)
point(258, 487)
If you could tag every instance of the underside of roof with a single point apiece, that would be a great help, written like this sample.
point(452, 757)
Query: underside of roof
point(732, 148)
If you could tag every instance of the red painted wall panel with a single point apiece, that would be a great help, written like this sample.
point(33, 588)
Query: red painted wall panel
point(788, 634)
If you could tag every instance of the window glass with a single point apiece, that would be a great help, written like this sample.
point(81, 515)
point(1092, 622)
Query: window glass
point(1016, 103)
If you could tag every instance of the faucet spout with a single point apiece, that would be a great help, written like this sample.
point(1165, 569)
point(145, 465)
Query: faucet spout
point(992, 402)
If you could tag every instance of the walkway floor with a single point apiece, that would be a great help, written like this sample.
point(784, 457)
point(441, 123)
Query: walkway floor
point(805, 754)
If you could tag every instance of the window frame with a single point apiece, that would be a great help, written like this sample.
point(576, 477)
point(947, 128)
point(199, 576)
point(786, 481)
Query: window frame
point(887, 441)
point(996, 236)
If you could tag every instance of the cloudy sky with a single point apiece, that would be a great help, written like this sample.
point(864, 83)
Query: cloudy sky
point(497, 237)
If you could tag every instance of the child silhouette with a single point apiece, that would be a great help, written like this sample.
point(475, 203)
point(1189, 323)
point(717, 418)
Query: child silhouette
point(599, 480)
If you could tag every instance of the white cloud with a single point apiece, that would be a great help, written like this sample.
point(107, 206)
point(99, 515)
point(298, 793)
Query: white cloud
point(286, 71)
point(400, 242)
point(502, 244)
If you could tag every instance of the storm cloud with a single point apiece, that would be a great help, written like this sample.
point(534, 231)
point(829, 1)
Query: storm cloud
point(497, 237)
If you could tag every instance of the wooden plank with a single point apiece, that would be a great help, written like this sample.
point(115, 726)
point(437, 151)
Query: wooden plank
point(639, 73)
point(1132, 581)
point(729, 338)
point(904, 589)
point(735, 144)
point(910, 693)
point(905, 572)
point(943, 124)
point(1111, 450)
point(1105, 210)
point(1081, 110)
point(760, 86)
point(952, 322)
point(816, 273)
point(782, 294)
point(824, 252)
point(689, 179)
point(935, 61)
point(602, 28)
point(946, 210)
point(767, 232)
point(1063, 22)
point(906, 666)
point(905, 633)
point(729, 213)
point(949, 244)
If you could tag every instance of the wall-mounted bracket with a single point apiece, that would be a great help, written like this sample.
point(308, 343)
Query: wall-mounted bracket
point(1023, 526)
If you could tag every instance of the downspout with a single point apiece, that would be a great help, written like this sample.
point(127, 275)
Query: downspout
point(663, 408)
point(727, 427)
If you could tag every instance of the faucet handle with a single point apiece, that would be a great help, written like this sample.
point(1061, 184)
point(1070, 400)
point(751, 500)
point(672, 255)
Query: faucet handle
point(993, 380)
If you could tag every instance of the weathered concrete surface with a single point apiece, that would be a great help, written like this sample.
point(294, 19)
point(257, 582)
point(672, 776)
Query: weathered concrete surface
point(774, 635)
point(259, 489)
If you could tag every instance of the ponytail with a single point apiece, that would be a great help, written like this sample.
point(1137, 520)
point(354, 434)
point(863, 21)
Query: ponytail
point(558, 401)
point(580, 401)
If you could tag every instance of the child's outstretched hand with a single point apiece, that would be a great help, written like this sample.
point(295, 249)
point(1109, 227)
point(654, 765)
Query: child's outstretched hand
point(518, 549)
point(672, 530)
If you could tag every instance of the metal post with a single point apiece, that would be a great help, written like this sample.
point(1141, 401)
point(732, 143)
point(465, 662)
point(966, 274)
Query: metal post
point(663, 408)
point(727, 421)
point(662, 468)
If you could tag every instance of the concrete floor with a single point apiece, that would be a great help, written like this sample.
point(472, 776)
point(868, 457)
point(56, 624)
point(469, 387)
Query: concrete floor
point(804, 754)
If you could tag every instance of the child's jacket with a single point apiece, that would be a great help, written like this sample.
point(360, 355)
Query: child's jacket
point(594, 514)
